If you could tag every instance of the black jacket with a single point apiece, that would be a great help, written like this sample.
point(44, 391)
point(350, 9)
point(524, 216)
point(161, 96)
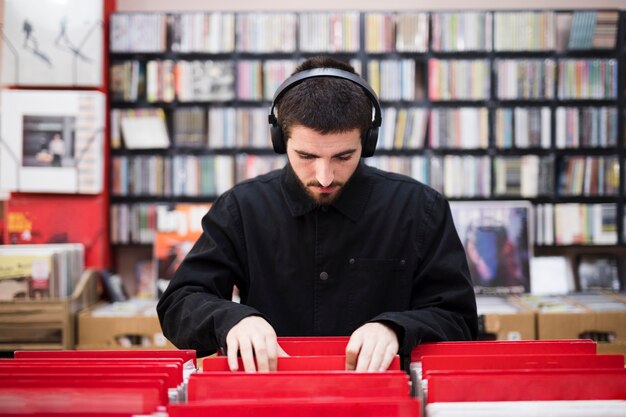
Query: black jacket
point(386, 250)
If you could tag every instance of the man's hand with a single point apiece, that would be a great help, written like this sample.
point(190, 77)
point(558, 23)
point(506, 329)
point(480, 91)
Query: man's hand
point(371, 348)
point(253, 337)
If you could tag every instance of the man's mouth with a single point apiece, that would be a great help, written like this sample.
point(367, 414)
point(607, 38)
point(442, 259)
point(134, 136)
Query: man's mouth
point(326, 190)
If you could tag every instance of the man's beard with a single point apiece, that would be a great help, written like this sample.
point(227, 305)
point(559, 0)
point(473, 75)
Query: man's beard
point(321, 199)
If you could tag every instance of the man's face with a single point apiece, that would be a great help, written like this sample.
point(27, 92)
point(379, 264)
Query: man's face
point(323, 163)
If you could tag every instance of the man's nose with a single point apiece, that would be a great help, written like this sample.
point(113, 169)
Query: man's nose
point(324, 172)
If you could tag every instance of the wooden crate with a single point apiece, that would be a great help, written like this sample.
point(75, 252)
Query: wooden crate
point(105, 332)
point(39, 324)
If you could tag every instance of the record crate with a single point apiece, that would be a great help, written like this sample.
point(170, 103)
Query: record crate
point(46, 324)
point(598, 316)
point(506, 319)
point(138, 330)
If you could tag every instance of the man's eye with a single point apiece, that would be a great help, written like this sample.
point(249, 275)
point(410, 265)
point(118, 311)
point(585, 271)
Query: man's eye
point(306, 156)
point(344, 158)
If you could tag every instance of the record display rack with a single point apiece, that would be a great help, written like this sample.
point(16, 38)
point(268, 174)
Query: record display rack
point(416, 91)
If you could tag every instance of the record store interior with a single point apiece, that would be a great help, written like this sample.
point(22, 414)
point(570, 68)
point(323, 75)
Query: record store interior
point(356, 208)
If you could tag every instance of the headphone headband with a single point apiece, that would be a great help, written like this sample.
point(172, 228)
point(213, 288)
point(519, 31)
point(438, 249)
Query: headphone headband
point(368, 138)
point(326, 72)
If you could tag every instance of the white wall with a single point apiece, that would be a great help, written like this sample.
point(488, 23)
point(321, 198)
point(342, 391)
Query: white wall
point(298, 5)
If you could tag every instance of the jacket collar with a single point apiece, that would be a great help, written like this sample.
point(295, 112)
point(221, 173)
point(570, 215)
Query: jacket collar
point(351, 201)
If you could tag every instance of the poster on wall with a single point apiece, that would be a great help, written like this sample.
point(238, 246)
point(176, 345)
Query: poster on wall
point(178, 228)
point(52, 43)
point(52, 141)
point(496, 238)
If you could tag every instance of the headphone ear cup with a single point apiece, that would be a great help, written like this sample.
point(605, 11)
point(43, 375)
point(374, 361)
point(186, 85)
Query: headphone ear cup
point(369, 142)
point(278, 140)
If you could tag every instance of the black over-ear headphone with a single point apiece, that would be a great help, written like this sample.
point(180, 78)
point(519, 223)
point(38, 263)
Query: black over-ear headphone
point(369, 138)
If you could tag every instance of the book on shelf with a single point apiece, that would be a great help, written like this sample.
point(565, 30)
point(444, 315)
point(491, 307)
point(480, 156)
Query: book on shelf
point(523, 127)
point(190, 127)
point(137, 32)
point(393, 79)
point(160, 81)
point(152, 119)
point(275, 71)
point(585, 224)
point(202, 32)
point(525, 79)
point(458, 79)
point(588, 127)
point(403, 128)
point(461, 31)
point(127, 80)
point(329, 32)
point(250, 166)
point(144, 130)
point(524, 31)
point(587, 78)
point(379, 32)
point(525, 176)
point(475, 171)
point(587, 30)
point(589, 176)
point(207, 80)
point(411, 32)
point(459, 128)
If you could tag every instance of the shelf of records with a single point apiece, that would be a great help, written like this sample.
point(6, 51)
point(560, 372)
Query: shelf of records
point(523, 176)
point(403, 128)
point(224, 79)
point(552, 224)
point(204, 176)
point(40, 272)
point(374, 32)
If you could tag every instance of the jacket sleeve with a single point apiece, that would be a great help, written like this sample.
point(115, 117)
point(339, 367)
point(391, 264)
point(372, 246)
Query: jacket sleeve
point(196, 311)
point(443, 303)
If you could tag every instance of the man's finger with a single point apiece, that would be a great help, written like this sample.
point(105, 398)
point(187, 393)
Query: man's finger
point(272, 353)
point(281, 352)
point(365, 357)
point(231, 353)
point(352, 353)
point(247, 356)
point(261, 355)
point(390, 353)
point(377, 358)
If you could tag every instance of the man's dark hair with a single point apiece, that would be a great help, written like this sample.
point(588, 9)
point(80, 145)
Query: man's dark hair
point(325, 104)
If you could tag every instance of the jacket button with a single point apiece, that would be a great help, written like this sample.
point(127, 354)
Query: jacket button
point(351, 261)
point(324, 276)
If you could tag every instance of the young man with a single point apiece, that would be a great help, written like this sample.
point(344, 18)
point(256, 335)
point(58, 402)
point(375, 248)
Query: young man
point(325, 246)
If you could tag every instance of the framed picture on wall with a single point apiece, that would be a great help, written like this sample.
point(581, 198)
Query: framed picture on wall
point(52, 43)
point(52, 141)
point(496, 238)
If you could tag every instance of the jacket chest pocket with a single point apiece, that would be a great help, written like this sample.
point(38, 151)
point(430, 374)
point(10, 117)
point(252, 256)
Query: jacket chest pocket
point(377, 286)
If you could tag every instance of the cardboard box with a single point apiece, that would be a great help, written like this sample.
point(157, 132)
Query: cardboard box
point(503, 318)
point(120, 331)
point(581, 316)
